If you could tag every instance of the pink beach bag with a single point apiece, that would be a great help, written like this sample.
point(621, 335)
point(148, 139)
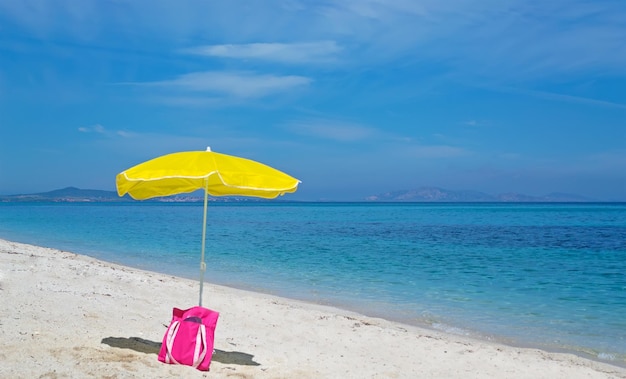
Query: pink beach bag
point(189, 338)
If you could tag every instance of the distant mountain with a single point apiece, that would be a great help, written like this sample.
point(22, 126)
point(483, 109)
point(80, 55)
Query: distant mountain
point(77, 195)
point(422, 194)
point(434, 194)
point(69, 194)
point(554, 197)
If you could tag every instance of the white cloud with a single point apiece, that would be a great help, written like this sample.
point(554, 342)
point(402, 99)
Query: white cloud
point(521, 40)
point(303, 52)
point(573, 99)
point(124, 134)
point(385, 9)
point(97, 128)
point(512, 39)
point(506, 40)
point(475, 123)
point(554, 96)
point(507, 43)
point(235, 83)
point(191, 101)
point(436, 151)
point(332, 130)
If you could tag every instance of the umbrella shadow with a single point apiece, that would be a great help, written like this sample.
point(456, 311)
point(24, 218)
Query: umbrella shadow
point(151, 347)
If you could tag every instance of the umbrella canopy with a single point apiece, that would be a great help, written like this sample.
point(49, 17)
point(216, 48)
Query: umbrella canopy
point(217, 174)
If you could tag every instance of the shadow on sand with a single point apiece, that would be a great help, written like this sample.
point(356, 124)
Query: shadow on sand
point(150, 347)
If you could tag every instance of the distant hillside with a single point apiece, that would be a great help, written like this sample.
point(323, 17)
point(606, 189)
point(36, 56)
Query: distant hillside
point(69, 194)
point(422, 194)
point(77, 195)
point(434, 194)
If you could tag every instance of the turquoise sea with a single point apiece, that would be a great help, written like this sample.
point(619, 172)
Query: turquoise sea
point(551, 276)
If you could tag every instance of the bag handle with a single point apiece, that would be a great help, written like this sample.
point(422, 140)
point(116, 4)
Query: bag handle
point(198, 356)
point(201, 345)
point(169, 342)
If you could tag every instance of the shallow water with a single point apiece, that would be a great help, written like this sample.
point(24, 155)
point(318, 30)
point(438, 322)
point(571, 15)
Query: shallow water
point(546, 275)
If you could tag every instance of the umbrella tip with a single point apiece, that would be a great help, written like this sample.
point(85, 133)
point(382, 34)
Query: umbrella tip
point(208, 148)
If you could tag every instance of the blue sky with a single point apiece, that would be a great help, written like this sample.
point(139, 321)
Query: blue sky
point(353, 98)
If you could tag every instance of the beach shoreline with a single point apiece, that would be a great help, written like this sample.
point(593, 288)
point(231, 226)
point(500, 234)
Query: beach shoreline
point(428, 324)
point(67, 315)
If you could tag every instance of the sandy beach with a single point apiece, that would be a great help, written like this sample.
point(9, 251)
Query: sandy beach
point(70, 316)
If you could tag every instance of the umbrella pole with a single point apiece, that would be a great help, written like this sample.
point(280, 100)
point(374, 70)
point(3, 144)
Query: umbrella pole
point(202, 263)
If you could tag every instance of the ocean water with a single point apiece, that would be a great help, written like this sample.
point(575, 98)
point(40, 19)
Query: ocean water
point(551, 276)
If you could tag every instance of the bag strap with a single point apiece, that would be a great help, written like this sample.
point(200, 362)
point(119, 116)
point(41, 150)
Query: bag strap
point(169, 342)
point(200, 349)
point(198, 356)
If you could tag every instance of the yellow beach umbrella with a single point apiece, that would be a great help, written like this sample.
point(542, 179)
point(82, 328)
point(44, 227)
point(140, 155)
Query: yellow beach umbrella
point(217, 174)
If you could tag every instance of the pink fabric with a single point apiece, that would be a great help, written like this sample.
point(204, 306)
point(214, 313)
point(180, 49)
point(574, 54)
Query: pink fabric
point(189, 338)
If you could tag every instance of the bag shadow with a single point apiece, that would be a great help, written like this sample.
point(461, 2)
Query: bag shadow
point(151, 347)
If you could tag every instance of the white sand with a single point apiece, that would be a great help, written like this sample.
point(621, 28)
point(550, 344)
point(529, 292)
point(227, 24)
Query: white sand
point(64, 315)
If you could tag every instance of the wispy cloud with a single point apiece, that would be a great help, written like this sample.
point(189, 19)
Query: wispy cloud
point(242, 84)
point(576, 99)
point(331, 130)
point(558, 97)
point(508, 39)
point(124, 134)
point(474, 123)
point(303, 52)
point(175, 100)
point(436, 151)
point(537, 40)
point(99, 129)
